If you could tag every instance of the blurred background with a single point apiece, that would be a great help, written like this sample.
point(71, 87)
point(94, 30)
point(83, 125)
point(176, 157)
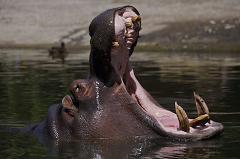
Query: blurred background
point(174, 24)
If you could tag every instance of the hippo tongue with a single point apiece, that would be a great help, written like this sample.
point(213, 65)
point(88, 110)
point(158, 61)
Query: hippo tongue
point(148, 105)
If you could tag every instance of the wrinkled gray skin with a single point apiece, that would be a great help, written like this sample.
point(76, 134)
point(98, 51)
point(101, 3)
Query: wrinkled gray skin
point(112, 103)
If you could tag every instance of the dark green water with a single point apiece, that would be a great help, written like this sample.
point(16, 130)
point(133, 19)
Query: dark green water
point(30, 81)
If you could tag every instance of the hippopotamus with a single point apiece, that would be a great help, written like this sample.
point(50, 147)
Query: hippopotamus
point(111, 102)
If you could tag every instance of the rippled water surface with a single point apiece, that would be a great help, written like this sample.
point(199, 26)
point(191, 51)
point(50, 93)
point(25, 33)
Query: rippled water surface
point(30, 81)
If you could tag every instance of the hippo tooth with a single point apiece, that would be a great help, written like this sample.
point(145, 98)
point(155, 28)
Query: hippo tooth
point(136, 18)
point(201, 106)
point(127, 35)
point(182, 118)
point(115, 44)
point(200, 120)
point(129, 24)
point(129, 42)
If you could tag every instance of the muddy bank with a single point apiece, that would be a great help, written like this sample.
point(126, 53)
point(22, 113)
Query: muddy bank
point(166, 23)
point(211, 35)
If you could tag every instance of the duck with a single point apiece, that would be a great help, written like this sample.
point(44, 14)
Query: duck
point(58, 50)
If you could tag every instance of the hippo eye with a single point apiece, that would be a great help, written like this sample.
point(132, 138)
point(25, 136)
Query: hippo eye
point(77, 89)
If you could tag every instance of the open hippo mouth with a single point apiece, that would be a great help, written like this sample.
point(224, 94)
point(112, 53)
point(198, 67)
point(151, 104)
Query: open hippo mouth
point(114, 34)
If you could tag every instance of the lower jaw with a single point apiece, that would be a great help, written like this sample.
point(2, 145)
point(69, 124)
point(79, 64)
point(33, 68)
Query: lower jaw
point(169, 126)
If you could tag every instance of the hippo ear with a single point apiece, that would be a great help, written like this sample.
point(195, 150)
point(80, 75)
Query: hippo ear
point(68, 105)
point(67, 102)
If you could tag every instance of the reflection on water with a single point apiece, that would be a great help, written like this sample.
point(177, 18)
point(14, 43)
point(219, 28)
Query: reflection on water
point(30, 81)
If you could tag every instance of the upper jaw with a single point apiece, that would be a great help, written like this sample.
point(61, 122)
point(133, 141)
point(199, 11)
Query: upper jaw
point(127, 27)
point(125, 36)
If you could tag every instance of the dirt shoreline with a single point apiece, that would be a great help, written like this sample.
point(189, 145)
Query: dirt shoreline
point(167, 25)
point(142, 47)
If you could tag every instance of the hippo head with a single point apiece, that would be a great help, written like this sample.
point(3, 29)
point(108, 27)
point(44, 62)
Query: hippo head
point(112, 99)
point(112, 42)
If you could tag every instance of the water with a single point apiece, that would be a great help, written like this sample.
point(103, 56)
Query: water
point(30, 81)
